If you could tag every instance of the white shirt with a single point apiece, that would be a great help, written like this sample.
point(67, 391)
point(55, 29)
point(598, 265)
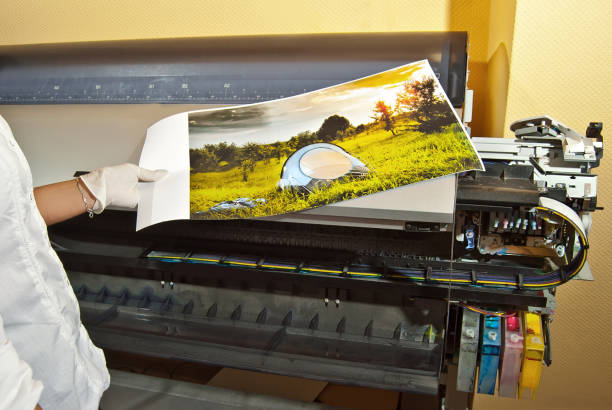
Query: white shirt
point(41, 335)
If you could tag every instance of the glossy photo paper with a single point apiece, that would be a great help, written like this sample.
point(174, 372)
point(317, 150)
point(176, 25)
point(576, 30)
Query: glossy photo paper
point(343, 142)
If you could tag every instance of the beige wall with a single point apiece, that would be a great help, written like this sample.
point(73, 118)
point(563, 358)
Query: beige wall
point(526, 58)
point(43, 21)
point(499, 49)
point(560, 65)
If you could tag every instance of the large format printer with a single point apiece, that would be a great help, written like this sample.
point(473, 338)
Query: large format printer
point(411, 290)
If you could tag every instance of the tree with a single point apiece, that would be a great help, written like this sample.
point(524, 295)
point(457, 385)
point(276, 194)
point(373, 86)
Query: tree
point(202, 160)
point(246, 166)
point(275, 150)
point(267, 152)
point(421, 102)
point(225, 152)
point(252, 151)
point(384, 114)
point(331, 126)
point(286, 151)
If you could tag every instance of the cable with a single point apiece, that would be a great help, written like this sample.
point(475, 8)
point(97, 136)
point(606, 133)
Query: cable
point(488, 312)
point(541, 280)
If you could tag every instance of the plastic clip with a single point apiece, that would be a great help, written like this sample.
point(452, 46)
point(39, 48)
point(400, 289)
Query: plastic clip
point(474, 277)
point(563, 274)
point(520, 284)
point(385, 270)
point(345, 270)
point(428, 271)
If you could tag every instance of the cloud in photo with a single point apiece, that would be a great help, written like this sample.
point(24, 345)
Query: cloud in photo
point(279, 120)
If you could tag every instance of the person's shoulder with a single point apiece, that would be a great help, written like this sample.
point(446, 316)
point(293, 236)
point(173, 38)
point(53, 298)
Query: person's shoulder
point(4, 127)
point(6, 134)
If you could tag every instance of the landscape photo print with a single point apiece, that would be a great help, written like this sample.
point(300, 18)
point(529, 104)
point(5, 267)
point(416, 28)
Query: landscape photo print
point(358, 138)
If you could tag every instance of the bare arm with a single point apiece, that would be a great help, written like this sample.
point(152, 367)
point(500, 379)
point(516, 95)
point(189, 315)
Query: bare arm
point(116, 185)
point(63, 200)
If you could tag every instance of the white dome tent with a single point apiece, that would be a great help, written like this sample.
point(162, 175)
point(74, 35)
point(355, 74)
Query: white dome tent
point(316, 165)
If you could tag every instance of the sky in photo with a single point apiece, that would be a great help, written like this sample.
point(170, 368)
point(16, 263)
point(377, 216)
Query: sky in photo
point(280, 120)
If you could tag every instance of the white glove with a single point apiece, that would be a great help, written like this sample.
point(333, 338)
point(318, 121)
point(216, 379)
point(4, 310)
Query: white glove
point(118, 185)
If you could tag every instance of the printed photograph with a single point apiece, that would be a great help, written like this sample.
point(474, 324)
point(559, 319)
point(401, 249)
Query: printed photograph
point(370, 135)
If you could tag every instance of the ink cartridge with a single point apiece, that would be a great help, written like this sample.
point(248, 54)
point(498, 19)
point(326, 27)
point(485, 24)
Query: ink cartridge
point(489, 355)
point(512, 354)
point(468, 351)
point(532, 354)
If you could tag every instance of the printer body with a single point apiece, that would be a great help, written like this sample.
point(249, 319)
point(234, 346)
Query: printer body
point(396, 290)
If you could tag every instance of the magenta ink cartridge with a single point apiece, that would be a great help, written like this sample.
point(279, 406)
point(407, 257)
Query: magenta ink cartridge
point(512, 354)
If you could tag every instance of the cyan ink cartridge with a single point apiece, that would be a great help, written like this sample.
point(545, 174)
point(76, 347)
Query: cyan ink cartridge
point(512, 354)
point(532, 354)
point(489, 357)
point(468, 351)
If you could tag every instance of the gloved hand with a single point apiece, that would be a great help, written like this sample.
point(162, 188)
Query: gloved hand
point(117, 185)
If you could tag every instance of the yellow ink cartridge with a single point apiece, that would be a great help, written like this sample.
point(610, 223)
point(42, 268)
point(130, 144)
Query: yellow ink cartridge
point(532, 355)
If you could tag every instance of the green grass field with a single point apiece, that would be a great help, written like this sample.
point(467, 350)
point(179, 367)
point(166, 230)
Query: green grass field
point(408, 157)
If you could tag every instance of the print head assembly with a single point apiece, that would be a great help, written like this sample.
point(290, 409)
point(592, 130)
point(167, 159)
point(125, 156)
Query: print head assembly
point(316, 166)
